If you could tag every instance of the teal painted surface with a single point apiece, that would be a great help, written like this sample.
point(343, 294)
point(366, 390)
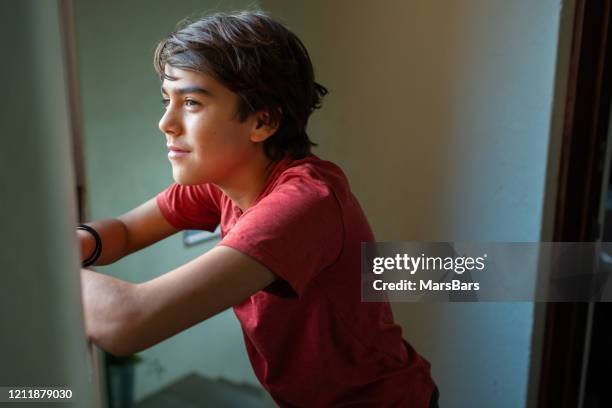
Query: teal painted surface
point(126, 164)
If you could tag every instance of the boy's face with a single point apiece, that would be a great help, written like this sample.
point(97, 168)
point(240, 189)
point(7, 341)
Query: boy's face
point(201, 118)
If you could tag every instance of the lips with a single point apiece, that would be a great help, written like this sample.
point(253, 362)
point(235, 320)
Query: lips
point(176, 152)
point(178, 149)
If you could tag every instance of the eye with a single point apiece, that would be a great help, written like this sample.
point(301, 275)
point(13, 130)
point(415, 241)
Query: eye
point(191, 102)
point(165, 103)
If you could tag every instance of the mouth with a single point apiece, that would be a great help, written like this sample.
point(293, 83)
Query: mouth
point(175, 152)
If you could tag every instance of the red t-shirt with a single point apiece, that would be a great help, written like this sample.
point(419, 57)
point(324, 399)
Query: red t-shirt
point(310, 339)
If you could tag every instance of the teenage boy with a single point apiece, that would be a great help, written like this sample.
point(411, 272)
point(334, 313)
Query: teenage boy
point(238, 90)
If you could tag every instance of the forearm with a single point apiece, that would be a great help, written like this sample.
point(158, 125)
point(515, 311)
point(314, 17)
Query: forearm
point(114, 237)
point(109, 305)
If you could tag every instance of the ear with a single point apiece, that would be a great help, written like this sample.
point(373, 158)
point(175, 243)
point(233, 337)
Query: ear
point(263, 126)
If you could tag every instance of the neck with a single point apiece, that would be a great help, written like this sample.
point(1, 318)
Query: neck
point(246, 185)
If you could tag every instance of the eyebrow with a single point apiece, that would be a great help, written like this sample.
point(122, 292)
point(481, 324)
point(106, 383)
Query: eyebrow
point(189, 90)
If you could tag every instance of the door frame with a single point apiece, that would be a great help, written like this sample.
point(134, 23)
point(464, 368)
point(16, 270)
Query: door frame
point(577, 212)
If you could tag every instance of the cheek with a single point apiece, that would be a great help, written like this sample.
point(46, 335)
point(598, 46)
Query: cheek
point(219, 149)
point(220, 137)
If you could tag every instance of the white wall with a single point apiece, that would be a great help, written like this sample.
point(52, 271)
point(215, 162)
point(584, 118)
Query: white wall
point(440, 114)
point(42, 336)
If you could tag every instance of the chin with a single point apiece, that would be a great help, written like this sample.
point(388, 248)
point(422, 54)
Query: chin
point(181, 178)
point(187, 180)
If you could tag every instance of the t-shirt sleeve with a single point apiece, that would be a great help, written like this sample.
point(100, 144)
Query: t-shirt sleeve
point(296, 231)
point(190, 206)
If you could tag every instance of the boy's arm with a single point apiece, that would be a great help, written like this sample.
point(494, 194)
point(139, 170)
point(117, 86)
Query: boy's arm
point(124, 318)
point(107, 307)
point(134, 230)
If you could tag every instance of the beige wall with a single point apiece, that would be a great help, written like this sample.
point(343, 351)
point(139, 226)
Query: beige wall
point(440, 113)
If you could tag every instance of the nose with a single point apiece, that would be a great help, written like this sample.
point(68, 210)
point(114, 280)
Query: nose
point(169, 123)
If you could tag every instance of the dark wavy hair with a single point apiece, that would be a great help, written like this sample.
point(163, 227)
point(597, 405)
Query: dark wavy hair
point(259, 59)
